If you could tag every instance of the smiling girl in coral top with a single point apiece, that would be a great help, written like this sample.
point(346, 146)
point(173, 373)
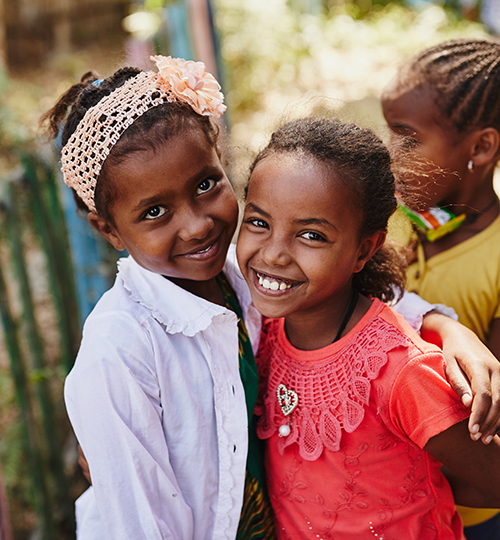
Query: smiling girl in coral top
point(355, 408)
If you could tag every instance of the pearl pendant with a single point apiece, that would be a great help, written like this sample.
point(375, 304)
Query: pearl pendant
point(284, 430)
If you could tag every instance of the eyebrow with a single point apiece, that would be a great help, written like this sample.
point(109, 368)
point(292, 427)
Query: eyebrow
point(208, 170)
point(308, 221)
point(315, 221)
point(254, 208)
point(147, 202)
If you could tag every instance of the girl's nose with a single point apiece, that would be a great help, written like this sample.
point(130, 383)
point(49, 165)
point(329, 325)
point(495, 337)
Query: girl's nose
point(195, 226)
point(275, 252)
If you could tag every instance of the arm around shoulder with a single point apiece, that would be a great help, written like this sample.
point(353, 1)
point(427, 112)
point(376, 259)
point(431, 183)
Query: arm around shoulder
point(466, 354)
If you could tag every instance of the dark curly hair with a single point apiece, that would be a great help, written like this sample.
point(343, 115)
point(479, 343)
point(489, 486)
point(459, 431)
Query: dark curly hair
point(361, 160)
point(465, 75)
point(149, 132)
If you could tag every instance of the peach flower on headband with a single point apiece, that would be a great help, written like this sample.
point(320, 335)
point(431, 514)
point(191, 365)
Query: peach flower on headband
point(189, 82)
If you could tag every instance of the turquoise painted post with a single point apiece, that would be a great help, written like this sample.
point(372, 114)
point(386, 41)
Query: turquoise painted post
point(176, 17)
point(88, 252)
point(91, 265)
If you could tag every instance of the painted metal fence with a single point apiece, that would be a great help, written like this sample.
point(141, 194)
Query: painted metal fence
point(32, 220)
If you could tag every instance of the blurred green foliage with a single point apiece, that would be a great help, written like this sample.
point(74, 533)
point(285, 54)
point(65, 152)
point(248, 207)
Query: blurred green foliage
point(277, 53)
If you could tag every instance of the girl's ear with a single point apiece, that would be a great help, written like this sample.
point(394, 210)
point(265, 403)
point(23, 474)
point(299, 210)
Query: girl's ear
point(368, 247)
point(107, 230)
point(486, 146)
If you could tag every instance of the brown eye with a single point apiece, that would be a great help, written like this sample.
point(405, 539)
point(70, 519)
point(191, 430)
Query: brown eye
point(314, 236)
point(259, 223)
point(155, 212)
point(205, 185)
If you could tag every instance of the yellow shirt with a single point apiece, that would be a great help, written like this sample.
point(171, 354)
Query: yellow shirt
point(465, 277)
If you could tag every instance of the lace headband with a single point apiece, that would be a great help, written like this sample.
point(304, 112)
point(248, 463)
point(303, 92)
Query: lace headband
point(102, 125)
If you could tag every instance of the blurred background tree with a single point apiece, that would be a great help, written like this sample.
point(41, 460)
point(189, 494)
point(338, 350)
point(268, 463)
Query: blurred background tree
point(275, 59)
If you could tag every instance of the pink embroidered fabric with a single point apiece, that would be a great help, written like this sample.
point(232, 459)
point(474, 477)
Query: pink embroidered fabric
point(353, 465)
point(332, 394)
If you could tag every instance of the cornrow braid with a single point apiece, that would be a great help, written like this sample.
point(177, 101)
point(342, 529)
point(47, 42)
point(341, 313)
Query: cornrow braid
point(465, 74)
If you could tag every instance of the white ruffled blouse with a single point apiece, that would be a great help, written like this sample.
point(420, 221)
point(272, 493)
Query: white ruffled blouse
point(157, 404)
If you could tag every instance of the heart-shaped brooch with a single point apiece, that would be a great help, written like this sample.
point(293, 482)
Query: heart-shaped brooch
point(287, 399)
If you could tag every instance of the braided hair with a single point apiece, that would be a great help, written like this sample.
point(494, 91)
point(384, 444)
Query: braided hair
point(360, 160)
point(465, 74)
point(149, 132)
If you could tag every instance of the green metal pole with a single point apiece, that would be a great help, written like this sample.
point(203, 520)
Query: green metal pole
point(61, 242)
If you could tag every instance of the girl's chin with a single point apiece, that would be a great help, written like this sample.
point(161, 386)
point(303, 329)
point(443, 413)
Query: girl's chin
point(268, 311)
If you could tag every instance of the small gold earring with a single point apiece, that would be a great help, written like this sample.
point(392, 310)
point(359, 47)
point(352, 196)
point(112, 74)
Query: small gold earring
point(470, 165)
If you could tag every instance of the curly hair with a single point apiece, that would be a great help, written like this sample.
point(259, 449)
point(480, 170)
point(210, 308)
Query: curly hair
point(148, 132)
point(361, 160)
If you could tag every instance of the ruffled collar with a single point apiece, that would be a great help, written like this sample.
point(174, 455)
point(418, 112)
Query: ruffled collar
point(333, 384)
point(178, 310)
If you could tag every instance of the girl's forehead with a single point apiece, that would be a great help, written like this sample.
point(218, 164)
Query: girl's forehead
point(293, 179)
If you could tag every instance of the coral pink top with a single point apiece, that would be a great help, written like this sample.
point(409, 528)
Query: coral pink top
point(353, 465)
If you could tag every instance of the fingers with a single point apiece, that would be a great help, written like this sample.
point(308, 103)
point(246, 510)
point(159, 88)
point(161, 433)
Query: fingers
point(482, 395)
point(82, 461)
point(480, 412)
point(486, 411)
point(458, 381)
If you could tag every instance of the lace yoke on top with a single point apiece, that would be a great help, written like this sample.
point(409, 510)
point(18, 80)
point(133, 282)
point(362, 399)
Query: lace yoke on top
point(332, 391)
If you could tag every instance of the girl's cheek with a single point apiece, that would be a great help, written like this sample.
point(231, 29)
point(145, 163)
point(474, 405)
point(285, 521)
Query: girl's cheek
point(242, 249)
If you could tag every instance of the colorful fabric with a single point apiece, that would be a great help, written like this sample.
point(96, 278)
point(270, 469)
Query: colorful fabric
point(379, 481)
point(256, 517)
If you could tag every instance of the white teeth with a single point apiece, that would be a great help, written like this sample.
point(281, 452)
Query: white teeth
point(272, 284)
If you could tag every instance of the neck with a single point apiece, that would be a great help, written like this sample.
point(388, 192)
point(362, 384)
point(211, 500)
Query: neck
point(473, 192)
point(315, 329)
point(208, 290)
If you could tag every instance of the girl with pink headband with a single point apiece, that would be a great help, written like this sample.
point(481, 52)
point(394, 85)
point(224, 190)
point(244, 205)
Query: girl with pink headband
point(162, 393)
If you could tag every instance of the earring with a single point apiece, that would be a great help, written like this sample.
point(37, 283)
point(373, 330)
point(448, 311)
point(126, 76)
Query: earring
point(470, 165)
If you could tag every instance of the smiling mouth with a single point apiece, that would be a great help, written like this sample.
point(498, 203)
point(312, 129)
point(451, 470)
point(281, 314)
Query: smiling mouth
point(275, 284)
point(209, 249)
point(202, 250)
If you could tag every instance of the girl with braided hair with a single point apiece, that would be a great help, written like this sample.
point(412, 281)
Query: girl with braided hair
point(445, 103)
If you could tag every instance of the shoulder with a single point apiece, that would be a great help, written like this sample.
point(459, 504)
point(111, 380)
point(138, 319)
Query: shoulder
point(121, 332)
point(420, 399)
point(253, 319)
point(117, 317)
point(407, 356)
point(236, 279)
point(399, 325)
